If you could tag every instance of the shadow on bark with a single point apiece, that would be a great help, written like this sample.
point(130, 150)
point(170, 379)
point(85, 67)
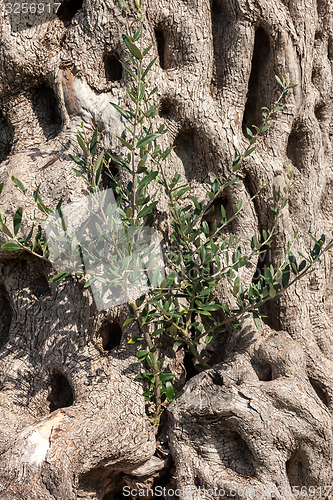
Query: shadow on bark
point(6, 137)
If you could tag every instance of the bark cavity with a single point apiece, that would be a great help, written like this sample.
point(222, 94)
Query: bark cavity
point(221, 26)
point(160, 35)
point(190, 150)
point(297, 471)
point(263, 370)
point(5, 316)
point(61, 393)
point(257, 87)
point(113, 68)
point(298, 142)
point(110, 334)
point(319, 391)
point(6, 138)
point(68, 9)
point(46, 110)
point(235, 453)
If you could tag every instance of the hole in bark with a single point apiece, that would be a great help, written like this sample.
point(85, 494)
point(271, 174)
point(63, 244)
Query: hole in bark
point(68, 9)
point(321, 112)
point(166, 108)
point(221, 26)
point(110, 334)
point(113, 68)
point(216, 377)
point(38, 283)
point(257, 91)
point(316, 77)
point(330, 48)
point(319, 391)
point(321, 8)
point(297, 471)
point(298, 143)
point(234, 452)
point(61, 394)
point(6, 137)
point(189, 366)
point(263, 371)
point(190, 149)
point(46, 110)
point(5, 316)
point(160, 41)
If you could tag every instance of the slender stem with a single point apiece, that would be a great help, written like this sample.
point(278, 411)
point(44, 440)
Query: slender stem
point(156, 370)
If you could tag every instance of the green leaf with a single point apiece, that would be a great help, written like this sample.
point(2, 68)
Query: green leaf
point(128, 70)
point(148, 68)
point(137, 34)
point(147, 179)
point(79, 162)
point(257, 320)
point(11, 247)
point(170, 393)
point(5, 229)
point(293, 262)
point(1, 187)
point(135, 51)
point(120, 110)
point(182, 191)
point(125, 143)
point(145, 52)
point(44, 209)
point(279, 81)
point(285, 276)
point(58, 277)
point(82, 145)
point(17, 220)
point(93, 143)
point(128, 321)
point(166, 376)
point(302, 266)
point(209, 338)
point(211, 307)
point(80, 174)
point(19, 185)
point(146, 140)
point(98, 165)
point(250, 151)
point(142, 354)
point(264, 128)
point(236, 163)
point(146, 210)
point(255, 241)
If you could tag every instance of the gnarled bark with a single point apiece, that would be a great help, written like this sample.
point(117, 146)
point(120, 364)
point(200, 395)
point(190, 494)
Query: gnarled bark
point(73, 417)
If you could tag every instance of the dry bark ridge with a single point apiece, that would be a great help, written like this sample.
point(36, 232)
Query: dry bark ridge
point(73, 422)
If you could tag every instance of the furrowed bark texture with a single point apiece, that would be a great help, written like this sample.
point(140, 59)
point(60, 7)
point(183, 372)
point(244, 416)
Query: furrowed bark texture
point(73, 421)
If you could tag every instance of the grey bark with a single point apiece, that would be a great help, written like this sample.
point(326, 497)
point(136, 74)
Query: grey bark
point(73, 421)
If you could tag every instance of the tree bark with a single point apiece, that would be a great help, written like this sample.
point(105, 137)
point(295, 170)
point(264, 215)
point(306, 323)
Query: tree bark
point(73, 416)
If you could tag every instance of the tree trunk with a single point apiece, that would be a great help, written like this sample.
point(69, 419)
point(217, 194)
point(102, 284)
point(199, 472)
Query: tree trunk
point(73, 416)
